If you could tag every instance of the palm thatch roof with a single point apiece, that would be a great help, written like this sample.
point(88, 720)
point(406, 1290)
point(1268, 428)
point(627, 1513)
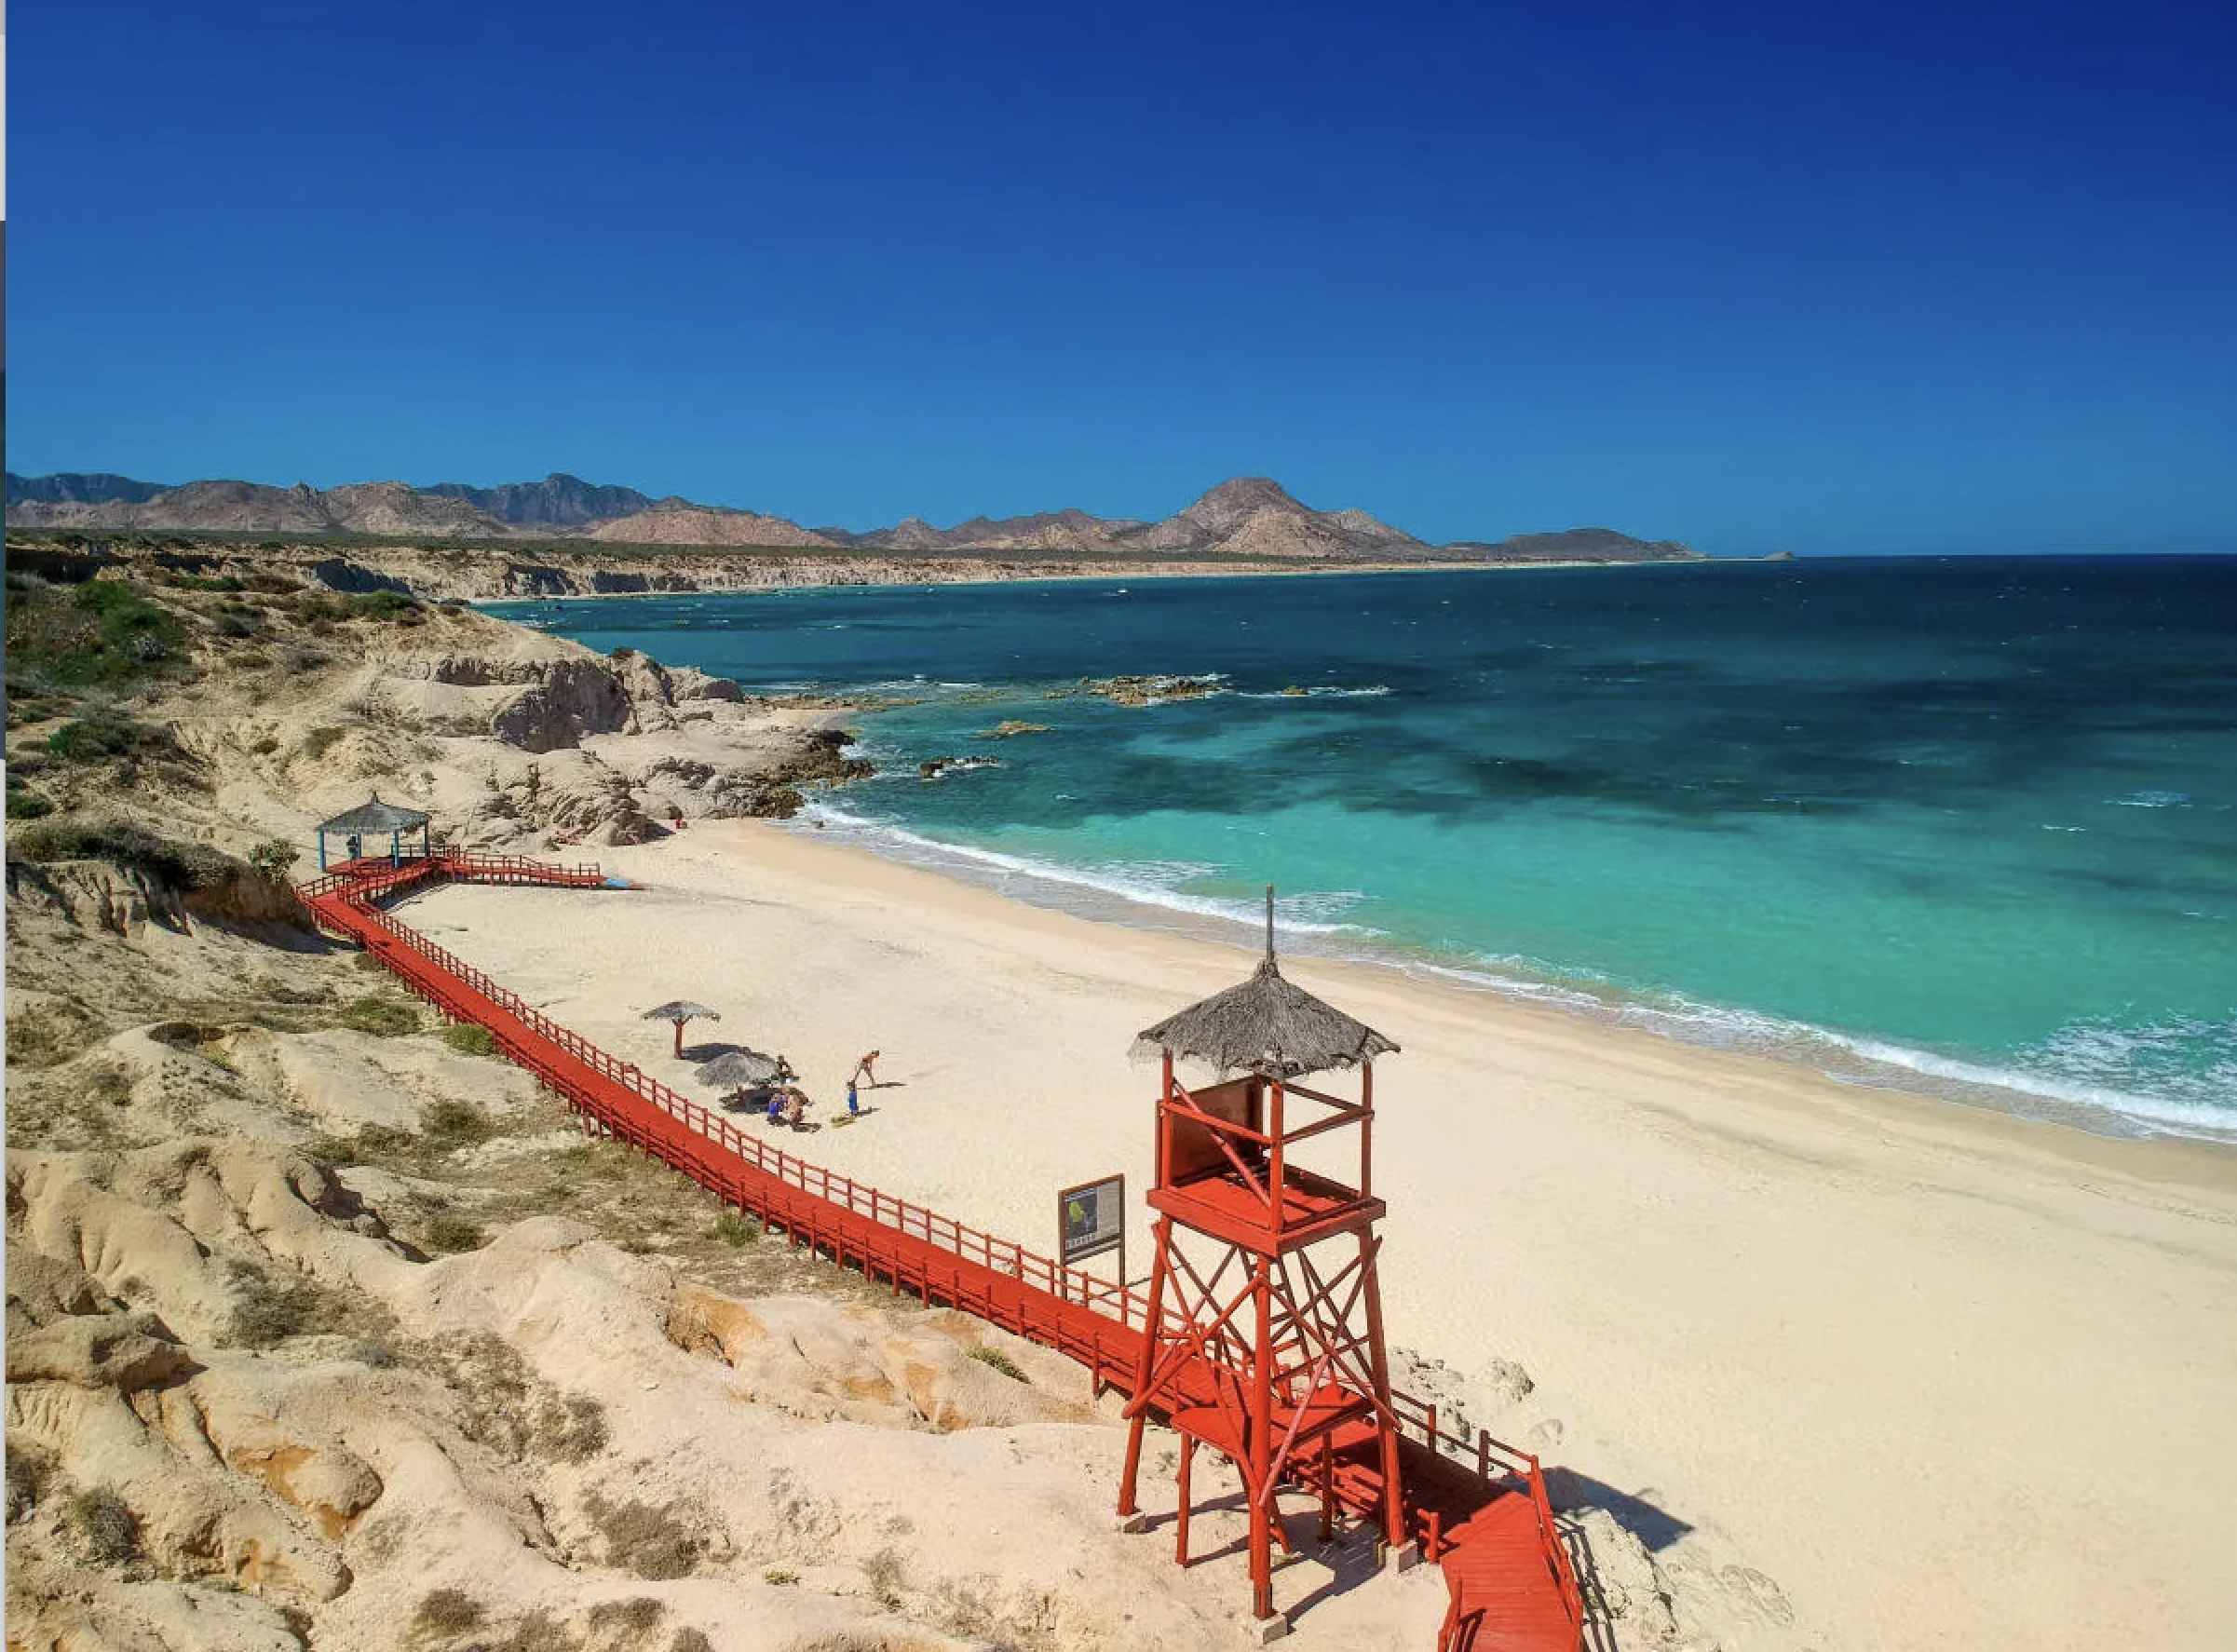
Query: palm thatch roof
point(735, 1069)
point(1267, 1025)
point(374, 815)
point(681, 1009)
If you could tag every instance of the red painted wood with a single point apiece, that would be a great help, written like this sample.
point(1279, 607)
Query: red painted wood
point(1512, 1587)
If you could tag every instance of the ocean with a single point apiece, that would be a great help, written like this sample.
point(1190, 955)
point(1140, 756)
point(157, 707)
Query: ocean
point(1964, 825)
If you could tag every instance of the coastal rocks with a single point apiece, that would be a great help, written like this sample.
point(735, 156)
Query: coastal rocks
point(1139, 691)
point(1007, 728)
point(935, 768)
point(575, 698)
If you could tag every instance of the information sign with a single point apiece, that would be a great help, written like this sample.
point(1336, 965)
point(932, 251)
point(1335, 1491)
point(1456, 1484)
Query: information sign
point(1091, 1219)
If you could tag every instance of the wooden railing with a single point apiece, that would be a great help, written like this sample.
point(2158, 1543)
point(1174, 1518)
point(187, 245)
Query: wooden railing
point(1129, 1306)
point(437, 974)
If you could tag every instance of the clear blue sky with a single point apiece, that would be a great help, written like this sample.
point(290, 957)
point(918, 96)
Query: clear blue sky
point(1845, 278)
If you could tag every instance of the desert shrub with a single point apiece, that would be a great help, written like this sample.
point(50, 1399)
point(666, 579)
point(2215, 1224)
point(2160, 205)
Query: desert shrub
point(651, 1542)
point(174, 865)
point(381, 605)
point(274, 857)
point(994, 1358)
point(104, 1525)
point(271, 1305)
point(104, 735)
point(446, 1125)
point(780, 1577)
point(103, 631)
point(621, 651)
point(448, 1612)
point(24, 804)
point(206, 582)
point(469, 1040)
point(450, 1235)
point(43, 1035)
point(319, 742)
point(635, 1617)
point(263, 747)
point(883, 1571)
point(690, 1640)
point(113, 1084)
point(379, 1016)
point(518, 1415)
point(28, 1472)
point(734, 1229)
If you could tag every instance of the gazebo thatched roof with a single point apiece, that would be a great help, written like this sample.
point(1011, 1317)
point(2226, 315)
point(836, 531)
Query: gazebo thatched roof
point(1267, 1025)
point(372, 815)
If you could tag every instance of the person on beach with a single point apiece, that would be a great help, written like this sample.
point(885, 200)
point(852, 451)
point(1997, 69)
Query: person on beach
point(865, 1070)
point(785, 1074)
point(854, 1108)
point(776, 1106)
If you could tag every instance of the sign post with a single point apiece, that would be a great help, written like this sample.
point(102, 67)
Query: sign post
point(1091, 1219)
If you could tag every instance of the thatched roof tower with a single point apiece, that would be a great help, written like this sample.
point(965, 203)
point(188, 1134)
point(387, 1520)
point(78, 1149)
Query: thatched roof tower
point(1267, 1025)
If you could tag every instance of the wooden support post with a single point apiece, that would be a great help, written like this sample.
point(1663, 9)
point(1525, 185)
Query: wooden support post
point(1379, 1365)
point(1328, 1487)
point(1162, 1233)
point(1180, 1539)
point(1256, 1448)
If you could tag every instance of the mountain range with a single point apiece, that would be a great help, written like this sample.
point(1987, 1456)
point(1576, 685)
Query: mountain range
point(1247, 517)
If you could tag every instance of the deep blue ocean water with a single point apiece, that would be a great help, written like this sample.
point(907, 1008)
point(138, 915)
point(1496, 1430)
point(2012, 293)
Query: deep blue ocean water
point(1969, 825)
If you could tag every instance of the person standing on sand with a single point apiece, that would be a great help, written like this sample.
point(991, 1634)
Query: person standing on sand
point(865, 1070)
point(854, 1108)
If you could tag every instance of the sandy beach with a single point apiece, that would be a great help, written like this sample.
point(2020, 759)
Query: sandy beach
point(1939, 1376)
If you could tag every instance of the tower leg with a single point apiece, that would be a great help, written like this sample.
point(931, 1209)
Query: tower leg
point(1260, 1465)
point(1394, 1506)
point(1180, 1539)
point(1132, 1473)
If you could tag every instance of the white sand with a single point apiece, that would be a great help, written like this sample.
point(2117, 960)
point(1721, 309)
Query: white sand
point(1950, 1379)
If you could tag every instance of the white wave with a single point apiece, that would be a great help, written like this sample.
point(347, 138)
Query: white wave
point(2153, 799)
point(1304, 912)
point(2083, 1077)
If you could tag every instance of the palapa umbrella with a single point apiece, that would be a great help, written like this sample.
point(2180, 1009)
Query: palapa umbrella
point(1266, 1026)
point(680, 1010)
point(738, 1069)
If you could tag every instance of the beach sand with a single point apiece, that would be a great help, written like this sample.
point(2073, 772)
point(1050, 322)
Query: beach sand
point(1946, 1378)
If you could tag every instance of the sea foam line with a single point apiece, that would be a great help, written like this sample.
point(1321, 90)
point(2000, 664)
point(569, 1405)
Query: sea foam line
point(1848, 1058)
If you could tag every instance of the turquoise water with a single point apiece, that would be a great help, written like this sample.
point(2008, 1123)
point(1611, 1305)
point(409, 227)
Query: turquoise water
point(1966, 825)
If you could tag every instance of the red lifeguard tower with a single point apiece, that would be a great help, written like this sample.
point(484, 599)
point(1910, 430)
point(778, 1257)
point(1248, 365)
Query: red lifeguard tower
point(1265, 1338)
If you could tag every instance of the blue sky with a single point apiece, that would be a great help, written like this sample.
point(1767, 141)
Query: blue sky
point(1848, 280)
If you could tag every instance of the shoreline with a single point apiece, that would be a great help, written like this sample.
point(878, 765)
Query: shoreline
point(1806, 1047)
point(1828, 1334)
point(1271, 571)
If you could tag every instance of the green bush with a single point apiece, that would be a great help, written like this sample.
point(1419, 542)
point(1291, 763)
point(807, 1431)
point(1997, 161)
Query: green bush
point(24, 804)
point(380, 604)
point(994, 1358)
point(274, 857)
point(105, 631)
point(106, 734)
point(469, 1040)
point(380, 1017)
point(447, 1125)
point(734, 1229)
point(175, 865)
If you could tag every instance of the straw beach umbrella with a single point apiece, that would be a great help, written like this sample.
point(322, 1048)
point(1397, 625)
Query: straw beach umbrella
point(680, 1010)
point(1266, 1026)
point(738, 1069)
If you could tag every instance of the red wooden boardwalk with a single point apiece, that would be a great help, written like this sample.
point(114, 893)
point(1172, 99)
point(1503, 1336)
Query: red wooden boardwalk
point(1479, 1509)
